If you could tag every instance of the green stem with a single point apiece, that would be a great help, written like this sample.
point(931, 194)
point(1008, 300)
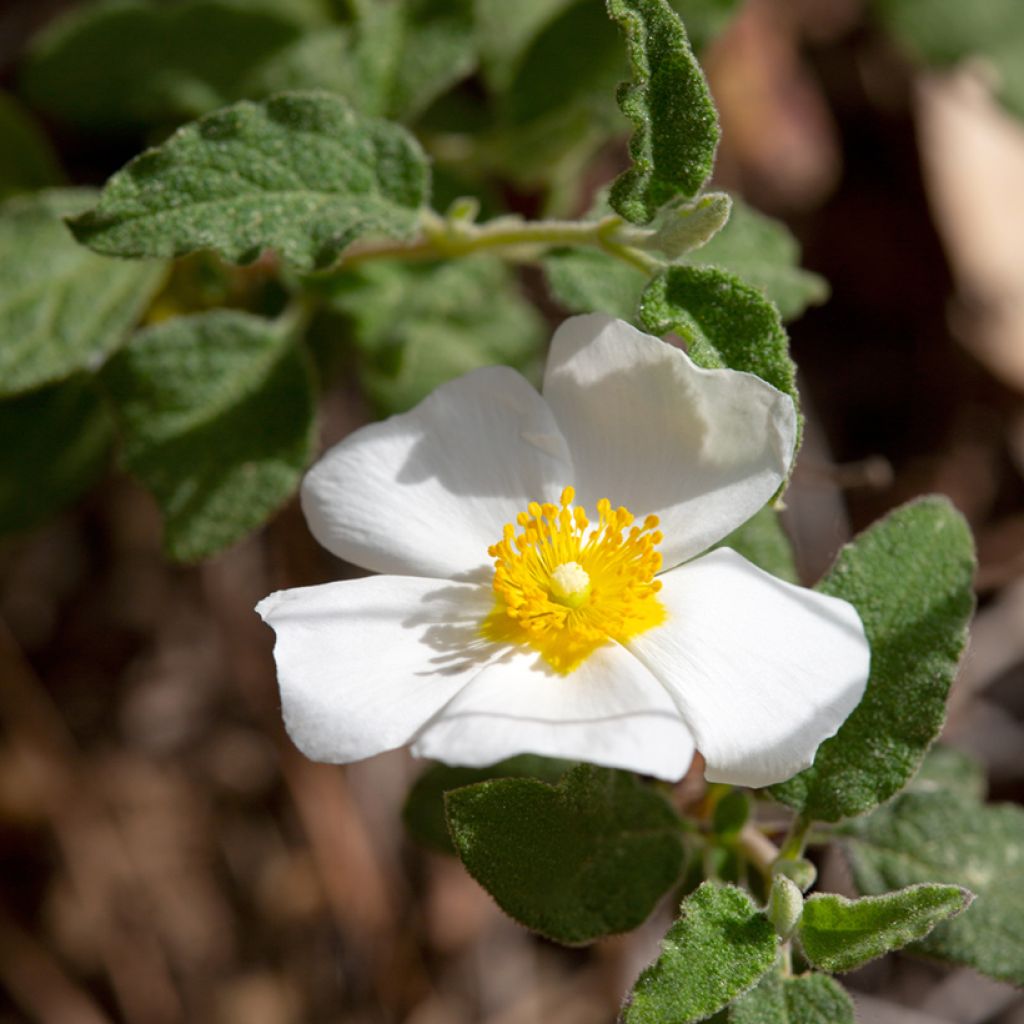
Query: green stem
point(515, 238)
point(796, 839)
point(758, 849)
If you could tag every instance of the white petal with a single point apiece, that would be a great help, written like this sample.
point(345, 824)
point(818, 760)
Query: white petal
point(610, 711)
point(363, 664)
point(703, 449)
point(427, 492)
point(761, 670)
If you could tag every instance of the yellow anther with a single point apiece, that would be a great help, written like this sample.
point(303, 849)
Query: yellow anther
point(565, 587)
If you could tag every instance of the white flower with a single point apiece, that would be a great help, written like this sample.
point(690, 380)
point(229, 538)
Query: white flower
point(475, 645)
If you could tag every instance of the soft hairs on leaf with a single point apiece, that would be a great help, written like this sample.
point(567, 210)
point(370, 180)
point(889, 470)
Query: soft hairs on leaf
point(909, 576)
point(840, 935)
point(674, 120)
point(805, 999)
point(588, 857)
point(720, 947)
point(301, 174)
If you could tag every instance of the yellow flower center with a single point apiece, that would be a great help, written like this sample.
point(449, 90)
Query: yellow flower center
point(564, 586)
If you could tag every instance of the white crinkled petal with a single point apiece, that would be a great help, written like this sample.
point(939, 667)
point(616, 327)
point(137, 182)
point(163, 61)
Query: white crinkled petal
point(702, 449)
point(427, 492)
point(363, 664)
point(761, 670)
point(610, 711)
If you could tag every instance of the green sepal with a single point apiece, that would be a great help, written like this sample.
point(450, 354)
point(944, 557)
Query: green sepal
point(301, 174)
point(58, 442)
point(675, 125)
point(216, 413)
point(951, 837)
point(588, 857)
point(804, 999)
point(681, 227)
point(62, 308)
point(909, 577)
point(785, 905)
point(423, 811)
point(720, 947)
point(839, 935)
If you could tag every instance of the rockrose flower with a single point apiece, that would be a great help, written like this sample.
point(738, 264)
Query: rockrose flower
point(540, 586)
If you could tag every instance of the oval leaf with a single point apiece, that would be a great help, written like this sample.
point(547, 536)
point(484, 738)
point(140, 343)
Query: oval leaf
point(301, 174)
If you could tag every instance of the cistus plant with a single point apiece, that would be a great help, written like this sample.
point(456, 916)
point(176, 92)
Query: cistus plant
point(578, 587)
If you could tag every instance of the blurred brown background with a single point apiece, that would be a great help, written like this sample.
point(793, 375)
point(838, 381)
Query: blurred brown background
point(167, 856)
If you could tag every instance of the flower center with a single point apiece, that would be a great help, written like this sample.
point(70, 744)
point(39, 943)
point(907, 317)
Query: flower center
point(565, 586)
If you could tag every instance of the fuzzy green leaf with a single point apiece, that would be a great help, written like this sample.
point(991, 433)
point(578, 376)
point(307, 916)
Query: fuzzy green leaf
point(27, 160)
point(675, 126)
point(839, 935)
point(945, 770)
point(300, 174)
point(588, 857)
point(423, 812)
point(720, 947)
point(57, 441)
point(125, 64)
point(909, 576)
point(590, 281)
point(762, 252)
point(946, 837)
point(62, 308)
point(417, 326)
point(216, 412)
point(806, 999)
point(723, 321)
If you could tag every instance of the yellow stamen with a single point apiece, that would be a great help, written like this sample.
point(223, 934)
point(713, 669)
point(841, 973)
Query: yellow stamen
point(565, 587)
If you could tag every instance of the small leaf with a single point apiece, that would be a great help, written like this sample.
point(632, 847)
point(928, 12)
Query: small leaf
point(27, 160)
point(720, 946)
point(216, 412)
point(125, 64)
point(909, 576)
point(58, 441)
point(423, 812)
point(951, 838)
point(301, 174)
point(62, 308)
point(762, 252)
point(588, 857)
point(723, 321)
point(731, 813)
point(839, 935)
point(805, 999)
point(417, 326)
point(763, 541)
point(674, 120)
point(681, 227)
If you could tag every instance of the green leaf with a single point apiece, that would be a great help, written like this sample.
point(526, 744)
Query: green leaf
point(945, 837)
point(504, 31)
point(590, 281)
point(417, 326)
point(762, 252)
point(675, 126)
point(763, 541)
point(806, 999)
point(723, 321)
point(300, 174)
point(216, 412)
point(62, 308)
point(423, 812)
point(126, 64)
point(57, 443)
point(839, 935)
point(945, 770)
point(27, 160)
point(731, 813)
point(909, 576)
point(588, 857)
point(720, 947)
